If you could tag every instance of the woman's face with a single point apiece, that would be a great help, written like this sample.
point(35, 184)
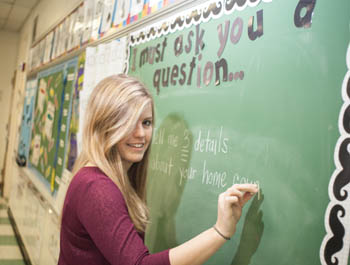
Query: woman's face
point(133, 147)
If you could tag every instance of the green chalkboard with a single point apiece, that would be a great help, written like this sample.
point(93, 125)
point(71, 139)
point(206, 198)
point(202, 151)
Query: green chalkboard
point(245, 92)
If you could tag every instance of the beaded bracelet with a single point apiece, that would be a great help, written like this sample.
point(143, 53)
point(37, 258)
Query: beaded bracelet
point(225, 237)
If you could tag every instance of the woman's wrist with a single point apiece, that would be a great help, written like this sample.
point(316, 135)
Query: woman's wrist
point(220, 233)
point(221, 228)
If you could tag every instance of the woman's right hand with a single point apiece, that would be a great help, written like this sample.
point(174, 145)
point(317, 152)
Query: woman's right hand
point(230, 204)
point(200, 248)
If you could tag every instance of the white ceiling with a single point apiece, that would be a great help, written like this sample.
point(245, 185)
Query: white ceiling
point(13, 13)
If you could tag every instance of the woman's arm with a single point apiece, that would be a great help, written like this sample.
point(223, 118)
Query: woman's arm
point(199, 249)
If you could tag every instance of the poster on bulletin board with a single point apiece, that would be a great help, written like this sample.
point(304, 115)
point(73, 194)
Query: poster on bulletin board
point(251, 92)
point(51, 122)
point(27, 120)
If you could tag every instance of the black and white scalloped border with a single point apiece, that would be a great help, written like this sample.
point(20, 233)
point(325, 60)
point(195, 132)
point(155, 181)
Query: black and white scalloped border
point(193, 16)
point(335, 246)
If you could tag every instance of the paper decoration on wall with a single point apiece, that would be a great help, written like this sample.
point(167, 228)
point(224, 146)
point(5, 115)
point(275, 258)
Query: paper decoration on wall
point(117, 56)
point(121, 13)
point(98, 9)
point(102, 62)
point(49, 42)
point(64, 36)
point(78, 27)
point(55, 43)
point(136, 7)
point(136, 10)
point(41, 51)
point(71, 38)
point(98, 67)
point(60, 43)
point(154, 5)
point(88, 19)
point(88, 22)
point(107, 14)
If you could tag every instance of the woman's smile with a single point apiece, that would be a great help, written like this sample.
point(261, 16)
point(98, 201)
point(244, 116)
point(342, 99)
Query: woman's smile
point(134, 146)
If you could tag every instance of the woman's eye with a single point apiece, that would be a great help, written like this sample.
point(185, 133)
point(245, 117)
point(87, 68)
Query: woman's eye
point(147, 122)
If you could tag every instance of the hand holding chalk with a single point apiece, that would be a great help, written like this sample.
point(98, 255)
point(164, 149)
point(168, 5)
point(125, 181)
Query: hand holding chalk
point(230, 204)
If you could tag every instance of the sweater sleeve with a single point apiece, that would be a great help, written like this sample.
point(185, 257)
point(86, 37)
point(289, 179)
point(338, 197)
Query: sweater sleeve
point(102, 211)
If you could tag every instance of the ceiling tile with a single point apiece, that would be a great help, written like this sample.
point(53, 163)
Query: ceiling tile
point(13, 26)
point(4, 10)
point(19, 13)
point(26, 3)
point(2, 22)
point(7, 1)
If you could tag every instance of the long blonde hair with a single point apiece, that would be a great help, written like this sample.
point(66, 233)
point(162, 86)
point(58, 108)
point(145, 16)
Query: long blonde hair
point(113, 110)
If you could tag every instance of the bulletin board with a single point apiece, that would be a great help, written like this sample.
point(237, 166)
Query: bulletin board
point(51, 122)
point(250, 92)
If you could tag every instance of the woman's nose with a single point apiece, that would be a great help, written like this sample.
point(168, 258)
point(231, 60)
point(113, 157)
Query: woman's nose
point(139, 131)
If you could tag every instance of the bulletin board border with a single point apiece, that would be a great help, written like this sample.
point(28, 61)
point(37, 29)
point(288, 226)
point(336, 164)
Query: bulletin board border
point(193, 16)
point(335, 246)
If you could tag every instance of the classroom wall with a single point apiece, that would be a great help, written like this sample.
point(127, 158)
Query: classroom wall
point(50, 12)
point(8, 54)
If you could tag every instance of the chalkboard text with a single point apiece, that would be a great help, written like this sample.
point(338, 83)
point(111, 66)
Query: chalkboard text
point(210, 143)
point(213, 178)
point(164, 166)
point(187, 173)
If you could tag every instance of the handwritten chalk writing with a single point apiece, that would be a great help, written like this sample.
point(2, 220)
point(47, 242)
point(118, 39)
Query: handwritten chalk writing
point(187, 139)
point(186, 144)
point(184, 155)
point(164, 166)
point(173, 140)
point(187, 173)
point(213, 178)
point(238, 179)
point(210, 144)
point(159, 137)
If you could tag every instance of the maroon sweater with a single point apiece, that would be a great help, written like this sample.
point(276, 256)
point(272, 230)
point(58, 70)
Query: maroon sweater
point(96, 226)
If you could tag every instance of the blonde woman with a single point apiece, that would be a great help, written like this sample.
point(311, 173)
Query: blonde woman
point(105, 214)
